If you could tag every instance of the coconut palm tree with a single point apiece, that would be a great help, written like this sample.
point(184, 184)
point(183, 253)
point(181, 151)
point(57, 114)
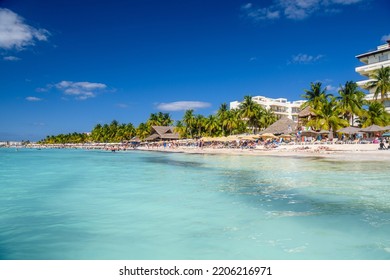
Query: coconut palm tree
point(251, 112)
point(143, 131)
point(181, 129)
point(350, 101)
point(96, 133)
point(233, 122)
point(267, 118)
point(328, 116)
point(212, 126)
point(221, 115)
point(189, 121)
point(315, 96)
point(376, 114)
point(380, 83)
point(199, 124)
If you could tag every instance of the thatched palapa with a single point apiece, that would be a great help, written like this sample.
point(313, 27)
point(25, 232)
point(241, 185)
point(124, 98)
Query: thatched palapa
point(282, 126)
point(307, 112)
point(162, 133)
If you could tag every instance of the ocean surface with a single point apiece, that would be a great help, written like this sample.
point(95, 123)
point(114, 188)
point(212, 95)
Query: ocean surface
point(80, 204)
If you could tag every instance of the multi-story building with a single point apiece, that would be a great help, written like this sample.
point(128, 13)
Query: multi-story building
point(280, 106)
point(374, 60)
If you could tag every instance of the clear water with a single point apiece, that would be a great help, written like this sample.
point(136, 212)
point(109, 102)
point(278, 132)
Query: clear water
point(74, 204)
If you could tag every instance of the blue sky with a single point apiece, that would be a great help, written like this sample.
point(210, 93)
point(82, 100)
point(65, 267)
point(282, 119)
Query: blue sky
point(67, 65)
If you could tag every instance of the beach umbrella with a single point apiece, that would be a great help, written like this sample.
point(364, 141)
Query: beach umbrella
point(309, 133)
point(349, 130)
point(286, 136)
point(249, 137)
point(324, 132)
point(268, 135)
point(373, 128)
point(281, 126)
point(234, 137)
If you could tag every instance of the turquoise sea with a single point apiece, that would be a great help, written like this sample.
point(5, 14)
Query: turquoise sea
point(84, 204)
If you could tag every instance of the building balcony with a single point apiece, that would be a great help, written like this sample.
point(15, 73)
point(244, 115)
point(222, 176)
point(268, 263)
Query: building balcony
point(366, 70)
point(363, 84)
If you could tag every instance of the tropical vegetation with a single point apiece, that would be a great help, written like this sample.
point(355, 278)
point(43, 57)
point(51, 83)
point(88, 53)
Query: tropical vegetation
point(348, 108)
point(329, 112)
point(380, 83)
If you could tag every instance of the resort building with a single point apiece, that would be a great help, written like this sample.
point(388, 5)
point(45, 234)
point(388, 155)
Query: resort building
point(280, 106)
point(374, 60)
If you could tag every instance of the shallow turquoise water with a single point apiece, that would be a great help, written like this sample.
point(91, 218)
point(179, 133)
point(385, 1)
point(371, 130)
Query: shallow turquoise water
point(74, 204)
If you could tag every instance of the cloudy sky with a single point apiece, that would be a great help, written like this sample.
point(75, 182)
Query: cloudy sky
point(67, 65)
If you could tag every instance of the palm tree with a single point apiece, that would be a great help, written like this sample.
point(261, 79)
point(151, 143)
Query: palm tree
point(221, 115)
point(381, 83)
point(328, 116)
point(212, 125)
point(351, 100)
point(267, 118)
point(143, 131)
point(181, 129)
point(189, 121)
point(96, 133)
point(199, 124)
point(250, 111)
point(233, 122)
point(153, 120)
point(315, 96)
point(376, 114)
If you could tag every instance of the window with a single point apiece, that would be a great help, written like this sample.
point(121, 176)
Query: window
point(383, 57)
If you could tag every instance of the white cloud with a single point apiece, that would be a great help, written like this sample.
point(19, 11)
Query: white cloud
point(11, 58)
point(260, 14)
point(331, 88)
point(346, 2)
point(293, 9)
point(182, 105)
point(80, 90)
point(385, 38)
point(16, 34)
point(122, 105)
point(33, 98)
point(305, 58)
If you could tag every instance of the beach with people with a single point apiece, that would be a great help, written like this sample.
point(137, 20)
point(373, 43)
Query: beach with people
point(348, 151)
point(332, 151)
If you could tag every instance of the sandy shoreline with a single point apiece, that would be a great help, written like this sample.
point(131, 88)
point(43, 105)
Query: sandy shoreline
point(344, 152)
point(347, 152)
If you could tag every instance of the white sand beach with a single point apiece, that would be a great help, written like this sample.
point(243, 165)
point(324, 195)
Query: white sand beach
point(349, 152)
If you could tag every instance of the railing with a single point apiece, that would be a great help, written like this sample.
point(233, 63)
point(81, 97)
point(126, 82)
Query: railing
point(373, 66)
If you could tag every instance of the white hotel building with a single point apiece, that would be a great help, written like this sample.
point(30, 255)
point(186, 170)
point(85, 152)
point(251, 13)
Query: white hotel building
point(374, 60)
point(280, 106)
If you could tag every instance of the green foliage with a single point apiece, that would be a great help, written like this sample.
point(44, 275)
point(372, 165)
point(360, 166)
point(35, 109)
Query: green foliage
point(375, 114)
point(381, 83)
point(330, 113)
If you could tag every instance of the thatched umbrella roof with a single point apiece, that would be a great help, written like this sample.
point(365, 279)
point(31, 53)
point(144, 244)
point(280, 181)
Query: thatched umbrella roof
point(282, 126)
point(373, 128)
point(306, 113)
point(162, 133)
point(268, 135)
point(349, 130)
point(311, 133)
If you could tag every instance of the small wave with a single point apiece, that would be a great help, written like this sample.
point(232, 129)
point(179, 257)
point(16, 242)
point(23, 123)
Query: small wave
point(289, 214)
